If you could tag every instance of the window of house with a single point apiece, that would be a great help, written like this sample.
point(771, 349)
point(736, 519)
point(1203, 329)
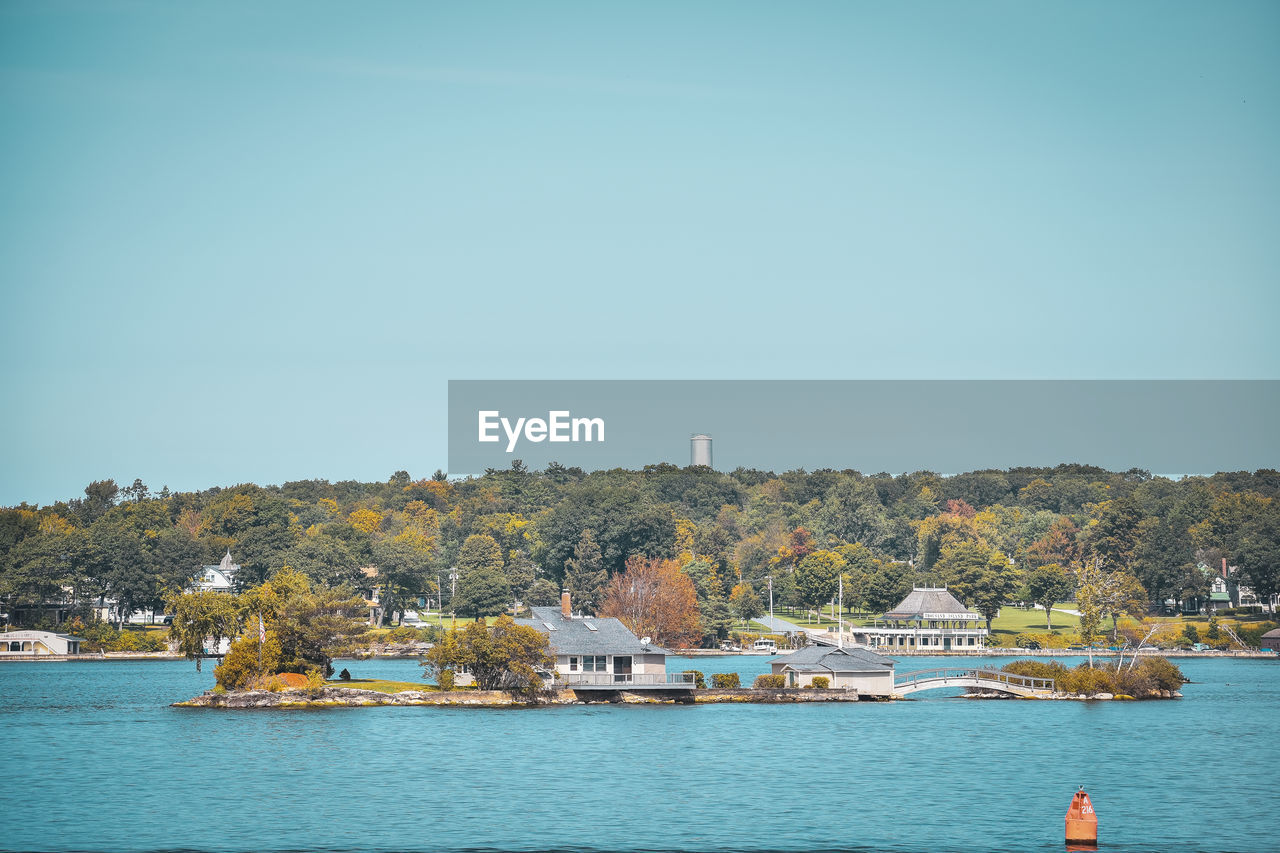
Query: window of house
point(573, 663)
point(594, 663)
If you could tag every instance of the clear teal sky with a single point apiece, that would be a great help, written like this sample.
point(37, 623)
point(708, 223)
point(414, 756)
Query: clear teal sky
point(244, 241)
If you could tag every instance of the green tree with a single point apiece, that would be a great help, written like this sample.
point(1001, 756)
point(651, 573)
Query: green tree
point(1115, 536)
point(403, 572)
point(38, 568)
point(979, 576)
point(480, 551)
point(121, 568)
point(1048, 585)
point(324, 559)
point(584, 574)
point(503, 656)
point(202, 620)
point(99, 496)
point(482, 591)
point(1258, 552)
point(174, 557)
point(543, 593)
point(887, 586)
point(818, 578)
point(522, 574)
point(745, 603)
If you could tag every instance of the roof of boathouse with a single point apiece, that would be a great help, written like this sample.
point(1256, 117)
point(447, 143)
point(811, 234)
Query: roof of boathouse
point(827, 659)
point(931, 603)
point(587, 635)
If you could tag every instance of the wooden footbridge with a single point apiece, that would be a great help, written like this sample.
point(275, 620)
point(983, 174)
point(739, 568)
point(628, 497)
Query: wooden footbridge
point(985, 679)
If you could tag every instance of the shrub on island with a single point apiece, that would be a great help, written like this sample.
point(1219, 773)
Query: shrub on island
point(699, 680)
point(725, 680)
point(1143, 679)
point(769, 682)
point(820, 682)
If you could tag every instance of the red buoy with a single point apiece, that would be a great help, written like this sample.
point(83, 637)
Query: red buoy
point(1082, 823)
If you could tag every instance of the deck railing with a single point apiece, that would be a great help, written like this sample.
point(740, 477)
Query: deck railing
point(627, 679)
point(945, 674)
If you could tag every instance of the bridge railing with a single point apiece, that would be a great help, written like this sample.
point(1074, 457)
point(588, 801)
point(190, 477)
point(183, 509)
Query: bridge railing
point(956, 674)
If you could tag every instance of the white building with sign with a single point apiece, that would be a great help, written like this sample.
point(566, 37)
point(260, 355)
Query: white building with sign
point(930, 618)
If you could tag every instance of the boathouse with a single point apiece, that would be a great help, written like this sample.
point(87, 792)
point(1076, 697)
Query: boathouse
point(27, 643)
point(929, 618)
point(862, 670)
point(601, 653)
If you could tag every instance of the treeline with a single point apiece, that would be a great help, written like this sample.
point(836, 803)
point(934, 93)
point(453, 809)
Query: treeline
point(518, 534)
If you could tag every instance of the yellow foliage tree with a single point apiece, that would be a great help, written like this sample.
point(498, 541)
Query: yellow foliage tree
point(367, 521)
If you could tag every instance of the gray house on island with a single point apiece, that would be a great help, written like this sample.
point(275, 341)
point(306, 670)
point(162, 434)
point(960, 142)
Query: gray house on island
point(600, 653)
point(862, 670)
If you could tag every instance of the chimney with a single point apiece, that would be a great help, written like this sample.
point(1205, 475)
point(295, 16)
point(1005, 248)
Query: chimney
point(1224, 568)
point(566, 610)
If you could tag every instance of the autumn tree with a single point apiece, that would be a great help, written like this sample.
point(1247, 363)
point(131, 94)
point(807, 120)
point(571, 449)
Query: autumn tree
point(501, 656)
point(654, 598)
point(1060, 544)
point(312, 625)
point(249, 659)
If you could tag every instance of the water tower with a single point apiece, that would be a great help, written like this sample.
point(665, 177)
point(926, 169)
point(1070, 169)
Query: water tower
point(700, 450)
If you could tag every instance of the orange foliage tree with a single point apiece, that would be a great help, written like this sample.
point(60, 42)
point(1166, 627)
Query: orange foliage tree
point(655, 599)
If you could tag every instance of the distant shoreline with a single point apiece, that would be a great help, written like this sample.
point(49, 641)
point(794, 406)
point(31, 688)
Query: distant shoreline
point(696, 653)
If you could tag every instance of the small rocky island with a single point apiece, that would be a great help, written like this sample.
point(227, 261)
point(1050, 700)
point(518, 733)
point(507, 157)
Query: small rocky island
point(354, 697)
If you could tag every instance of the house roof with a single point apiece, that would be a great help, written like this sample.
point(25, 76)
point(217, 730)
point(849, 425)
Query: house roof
point(815, 658)
point(1273, 634)
point(931, 600)
point(587, 635)
point(33, 634)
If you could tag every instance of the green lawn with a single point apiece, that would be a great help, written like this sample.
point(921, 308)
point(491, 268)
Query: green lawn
point(381, 686)
point(1014, 620)
point(446, 621)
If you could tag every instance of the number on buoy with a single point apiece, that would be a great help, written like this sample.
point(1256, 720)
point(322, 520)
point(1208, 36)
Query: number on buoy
point(1082, 822)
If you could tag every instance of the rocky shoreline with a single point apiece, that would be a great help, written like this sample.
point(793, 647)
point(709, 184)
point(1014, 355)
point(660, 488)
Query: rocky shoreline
point(1077, 697)
point(350, 697)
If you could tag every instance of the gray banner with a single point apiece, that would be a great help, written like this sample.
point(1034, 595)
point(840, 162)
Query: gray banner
point(1167, 427)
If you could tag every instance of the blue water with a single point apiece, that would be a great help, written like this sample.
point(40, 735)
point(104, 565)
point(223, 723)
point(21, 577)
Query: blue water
point(93, 758)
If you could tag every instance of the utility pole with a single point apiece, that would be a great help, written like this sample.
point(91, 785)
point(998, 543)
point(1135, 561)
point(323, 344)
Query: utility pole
point(771, 628)
point(840, 621)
